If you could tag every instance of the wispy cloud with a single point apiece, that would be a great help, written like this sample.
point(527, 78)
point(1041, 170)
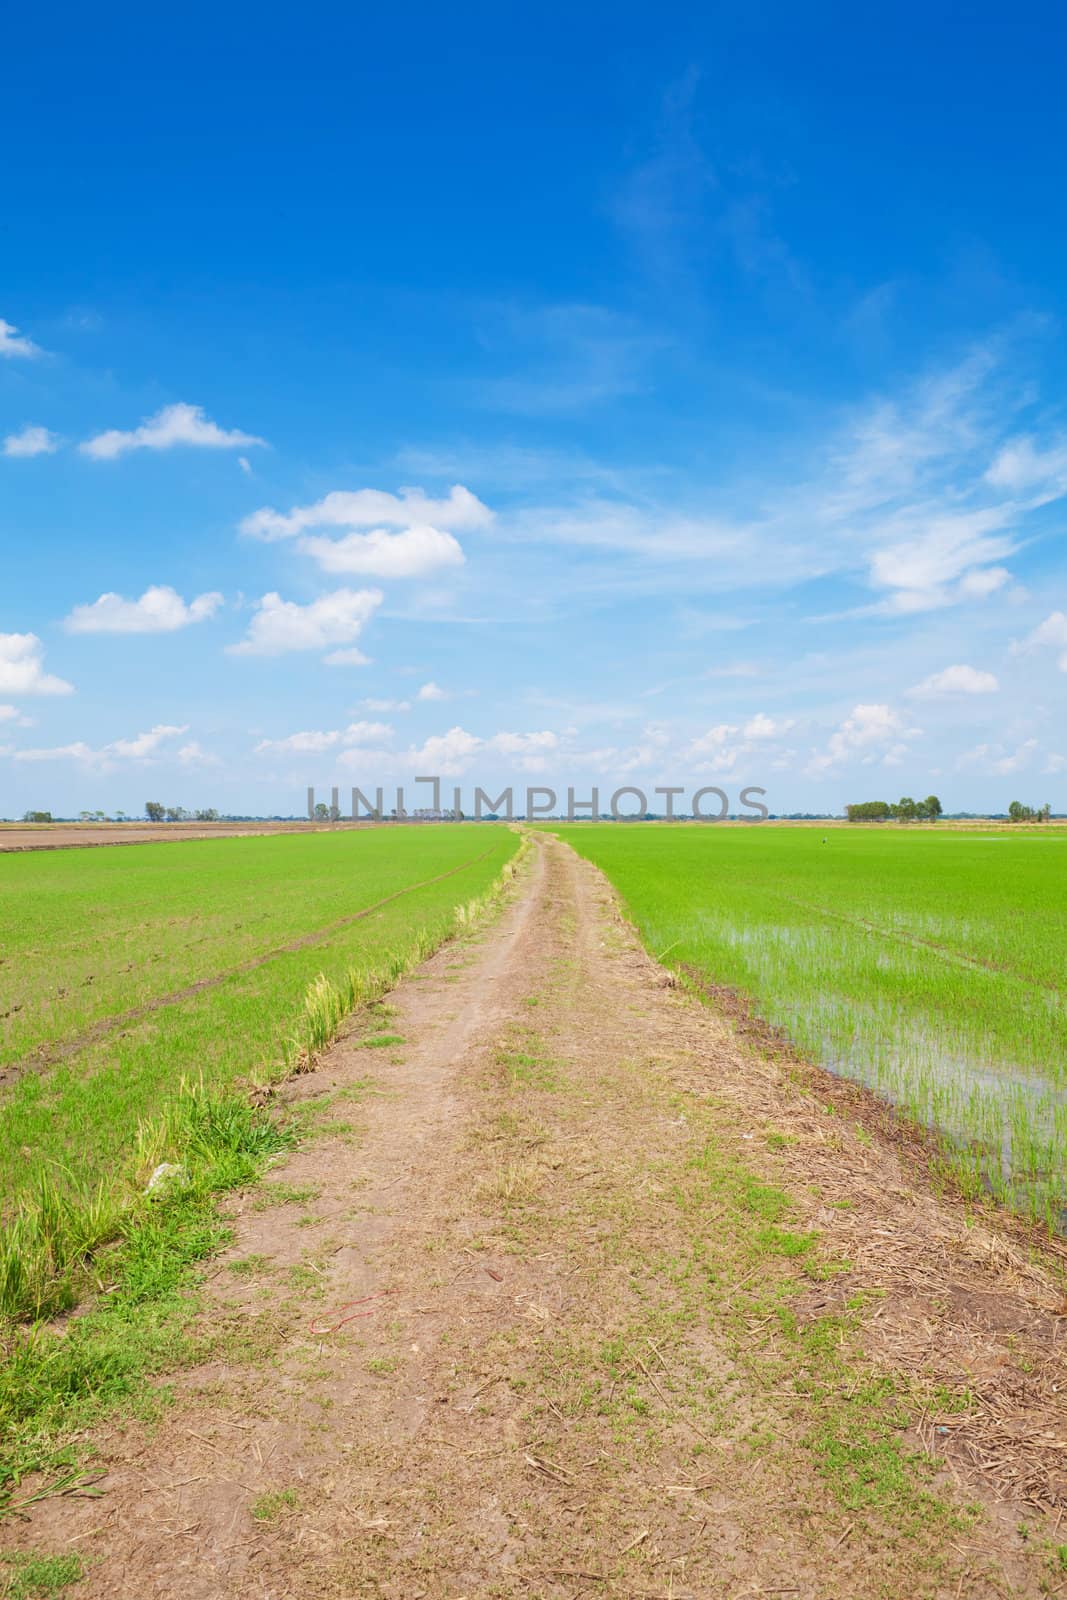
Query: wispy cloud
point(14, 345)
point(141, 747)
point(371, 508)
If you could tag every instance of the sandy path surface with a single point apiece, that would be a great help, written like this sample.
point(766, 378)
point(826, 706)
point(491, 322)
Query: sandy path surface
point(576, 1292)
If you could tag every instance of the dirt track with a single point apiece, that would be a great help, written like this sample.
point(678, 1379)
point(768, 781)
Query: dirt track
point(558, 1378)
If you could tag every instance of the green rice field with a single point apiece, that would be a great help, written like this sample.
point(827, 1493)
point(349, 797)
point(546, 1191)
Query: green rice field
point(927, 964)
point(124, 971)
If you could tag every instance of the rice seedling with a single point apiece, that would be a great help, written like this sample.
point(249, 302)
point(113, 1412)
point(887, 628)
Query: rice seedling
point(926, 965)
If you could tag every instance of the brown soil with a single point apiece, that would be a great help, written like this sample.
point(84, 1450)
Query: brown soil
point(507, 1343)
point(80, 835)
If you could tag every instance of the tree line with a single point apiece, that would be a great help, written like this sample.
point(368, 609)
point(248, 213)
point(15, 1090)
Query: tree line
point(156, 811)
point(903, 810)
point(1017, 812)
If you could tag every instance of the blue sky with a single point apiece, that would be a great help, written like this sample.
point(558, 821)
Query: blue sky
point(570, 395)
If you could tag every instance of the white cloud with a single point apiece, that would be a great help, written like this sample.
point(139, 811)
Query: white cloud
point(530, 752)
point(387, 705)
point(763, 727)
point(996, 762)
point(142, 747)
point(145, 744)
point(869, 733)
point(13, 344)
point(379, 554)
point(22, 667)
point(1052, 632)
point(245, 465)
point(13, 715)
point(313, 742)
point(32, 441)
point(72, 752)
point(369, 508)
point(1022, 465)
point(432, 691)
point(159, 610)
point(310, 742)
point(954, 681)
point(352, 657)
point(447, 754)
point(950, 558)
point(282, 625)
point(194, 755)
point(174, 425)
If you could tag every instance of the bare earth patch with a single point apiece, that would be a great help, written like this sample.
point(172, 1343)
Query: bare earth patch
point(575, 1290)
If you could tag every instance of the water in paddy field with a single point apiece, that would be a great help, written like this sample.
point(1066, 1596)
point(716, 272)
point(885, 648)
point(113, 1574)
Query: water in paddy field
point(1005, 1120)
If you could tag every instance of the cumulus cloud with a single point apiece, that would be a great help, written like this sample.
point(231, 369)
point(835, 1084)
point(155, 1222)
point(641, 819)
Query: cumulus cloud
point(379, 554)
point(174, 425)
point(159, 610)
point(31, 441)
point(13, 344)
point(371, 508)
point(955, 681)
point(22, 667)
point(280, 626)
point(432, 691)
point(447, 754)
point(868, 734)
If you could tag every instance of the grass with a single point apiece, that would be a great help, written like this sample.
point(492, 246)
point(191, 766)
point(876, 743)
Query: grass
point(924, 964)
point(38, 1577)
point(274, 1504)
point(88, 935)
point(80, 1141)
point(137, 1244)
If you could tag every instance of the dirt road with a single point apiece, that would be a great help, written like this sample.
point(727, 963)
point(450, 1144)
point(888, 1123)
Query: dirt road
point(576, 1292)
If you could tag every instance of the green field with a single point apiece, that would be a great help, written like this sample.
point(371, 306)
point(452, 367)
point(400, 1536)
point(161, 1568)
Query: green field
point(927, 964)
point(125, 971)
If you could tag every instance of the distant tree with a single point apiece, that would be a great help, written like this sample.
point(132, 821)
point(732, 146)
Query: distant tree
point(906, 809)
point(322, 812)
point(929, 809)
point(177, 814)
point(868, 811)
point(210, 815)
point(1017, 812)
point(37, 816)
point(154, 810)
